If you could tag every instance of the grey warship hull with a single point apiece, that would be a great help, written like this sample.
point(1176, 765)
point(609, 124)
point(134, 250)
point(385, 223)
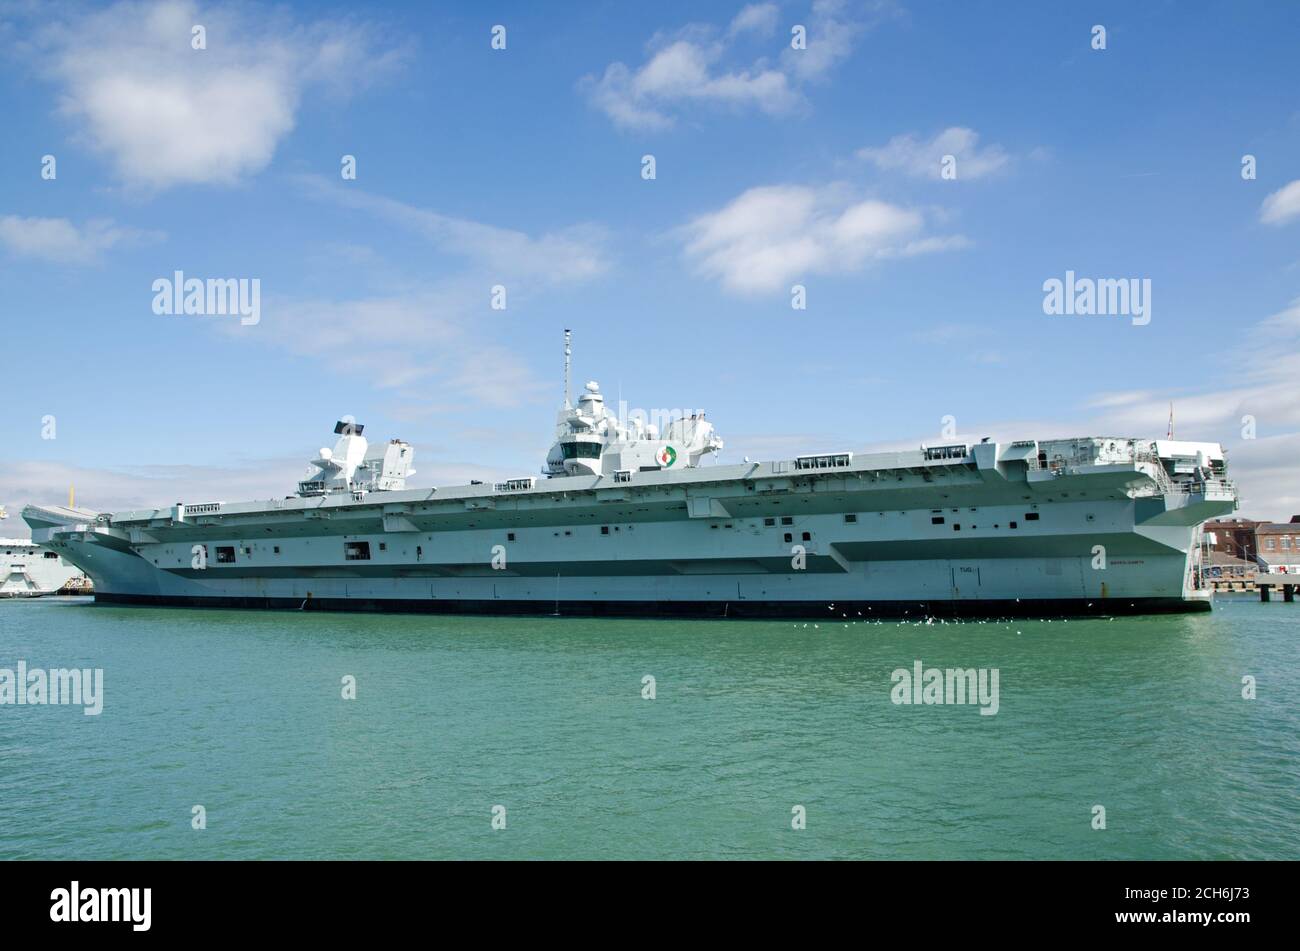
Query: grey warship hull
point(697, 610)
point(1091, 526)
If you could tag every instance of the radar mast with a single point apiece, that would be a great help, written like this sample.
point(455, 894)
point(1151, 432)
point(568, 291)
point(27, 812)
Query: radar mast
point(568, 352)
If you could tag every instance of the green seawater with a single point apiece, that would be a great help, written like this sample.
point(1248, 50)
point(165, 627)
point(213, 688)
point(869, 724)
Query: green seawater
point(242, 713)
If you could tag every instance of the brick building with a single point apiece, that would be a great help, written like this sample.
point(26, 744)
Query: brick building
point(1278, 543)
point(1274, 546)
point(1234, 537)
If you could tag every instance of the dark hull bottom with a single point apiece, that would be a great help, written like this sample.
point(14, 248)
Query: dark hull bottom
point(753, 610)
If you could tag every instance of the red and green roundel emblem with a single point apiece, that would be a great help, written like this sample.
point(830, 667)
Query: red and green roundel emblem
point(667, 456)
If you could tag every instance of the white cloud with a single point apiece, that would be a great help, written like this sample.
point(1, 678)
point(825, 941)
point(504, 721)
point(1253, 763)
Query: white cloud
point(61, 241)
point(1266, 374)
point(681, 72)
point(1265, 370)
point(772, 235)
point(166, 114)
point(1282, 206)
point(756, 18)
point(116, 489)
point(1124, 398)
point(832, 32)
point(948, 242)
point(688, 68)
point(400, 338)
point(1265, 472)
point(913, 156)
point(571, 254)
point(128, 488)
point(422, 338)
point(948, 332)
point(974, 340)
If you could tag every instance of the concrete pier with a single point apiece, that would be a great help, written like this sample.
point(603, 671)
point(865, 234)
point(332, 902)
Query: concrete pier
point(1266, 589)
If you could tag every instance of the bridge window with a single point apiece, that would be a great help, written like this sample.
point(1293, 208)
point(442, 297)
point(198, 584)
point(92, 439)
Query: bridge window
point(580, 450)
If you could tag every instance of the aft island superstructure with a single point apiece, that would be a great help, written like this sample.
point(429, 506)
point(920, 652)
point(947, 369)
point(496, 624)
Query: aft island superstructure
point(628, 521)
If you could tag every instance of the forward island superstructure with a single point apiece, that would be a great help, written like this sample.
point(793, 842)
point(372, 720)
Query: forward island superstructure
point(628, 521)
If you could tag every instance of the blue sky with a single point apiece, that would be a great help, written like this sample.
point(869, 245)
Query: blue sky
point(523, 167)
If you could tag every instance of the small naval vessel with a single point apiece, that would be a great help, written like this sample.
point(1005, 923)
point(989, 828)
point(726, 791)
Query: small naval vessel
point(626, 521)
point(29, 571)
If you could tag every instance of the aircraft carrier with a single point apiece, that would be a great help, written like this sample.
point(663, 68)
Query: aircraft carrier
point(627, 521)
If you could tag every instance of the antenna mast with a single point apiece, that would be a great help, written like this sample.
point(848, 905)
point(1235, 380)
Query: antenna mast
point(568, 352)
